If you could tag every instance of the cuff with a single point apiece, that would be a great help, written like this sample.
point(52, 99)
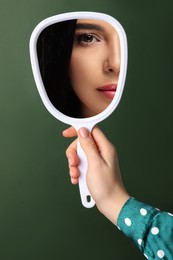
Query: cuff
point(134, 220)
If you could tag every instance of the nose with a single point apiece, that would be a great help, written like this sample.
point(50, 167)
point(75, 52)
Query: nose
point(112, 60)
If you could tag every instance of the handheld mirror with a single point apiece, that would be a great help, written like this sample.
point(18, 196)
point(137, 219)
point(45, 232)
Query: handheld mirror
point(79, 63)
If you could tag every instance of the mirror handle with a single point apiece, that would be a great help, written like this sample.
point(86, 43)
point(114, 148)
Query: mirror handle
point(86, 197)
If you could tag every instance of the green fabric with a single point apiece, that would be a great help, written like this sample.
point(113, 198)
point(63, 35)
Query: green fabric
point(149, 228)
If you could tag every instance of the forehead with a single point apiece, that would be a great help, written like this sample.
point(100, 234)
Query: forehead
point(94, 24)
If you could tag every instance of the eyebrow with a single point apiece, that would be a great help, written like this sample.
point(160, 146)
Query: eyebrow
point(89, 26)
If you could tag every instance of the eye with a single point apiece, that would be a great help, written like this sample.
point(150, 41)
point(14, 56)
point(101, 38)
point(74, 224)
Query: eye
point(86, 39)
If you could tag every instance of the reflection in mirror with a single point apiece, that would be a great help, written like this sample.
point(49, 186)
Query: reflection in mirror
point(79, 62)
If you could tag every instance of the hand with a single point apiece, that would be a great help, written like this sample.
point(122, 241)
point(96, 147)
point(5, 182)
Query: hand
point(103, 175)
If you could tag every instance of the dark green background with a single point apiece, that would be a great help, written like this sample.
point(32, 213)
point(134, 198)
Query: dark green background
point(41, 216)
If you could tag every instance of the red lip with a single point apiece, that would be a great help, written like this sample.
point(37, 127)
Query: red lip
point(108, 90)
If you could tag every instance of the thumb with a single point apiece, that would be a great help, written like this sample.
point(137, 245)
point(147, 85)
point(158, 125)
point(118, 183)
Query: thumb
point(88, 144)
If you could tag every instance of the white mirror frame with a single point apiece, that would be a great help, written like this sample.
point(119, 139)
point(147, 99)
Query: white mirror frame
point(89, 122)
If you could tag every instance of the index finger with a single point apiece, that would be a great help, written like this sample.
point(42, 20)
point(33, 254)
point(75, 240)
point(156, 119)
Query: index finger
point(69, 132)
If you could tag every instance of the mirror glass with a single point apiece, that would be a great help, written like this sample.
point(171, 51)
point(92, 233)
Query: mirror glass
point(79, 62)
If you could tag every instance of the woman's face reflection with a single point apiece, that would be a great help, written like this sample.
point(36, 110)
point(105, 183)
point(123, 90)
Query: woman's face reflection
point(79, 63)
point(95, 65)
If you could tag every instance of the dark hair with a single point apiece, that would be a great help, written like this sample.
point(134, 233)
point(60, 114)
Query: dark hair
point(54, 47)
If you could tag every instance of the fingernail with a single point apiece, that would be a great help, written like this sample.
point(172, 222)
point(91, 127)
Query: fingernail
point(83, 132)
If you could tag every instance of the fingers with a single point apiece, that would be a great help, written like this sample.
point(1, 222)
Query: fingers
point(106, 149)
point(71, 154)
point(88, 144)
point(69, 132)
point(74, 175)
point(73, 162)
point(96, 145)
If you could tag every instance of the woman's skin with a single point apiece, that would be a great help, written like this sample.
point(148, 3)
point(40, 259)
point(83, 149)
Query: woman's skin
point(95, 65)
point(103, 175)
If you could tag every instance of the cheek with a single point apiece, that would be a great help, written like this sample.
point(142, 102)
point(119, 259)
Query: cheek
point(80, 69)
point(85, 67)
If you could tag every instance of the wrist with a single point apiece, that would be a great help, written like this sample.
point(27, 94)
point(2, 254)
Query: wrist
point(112, 206)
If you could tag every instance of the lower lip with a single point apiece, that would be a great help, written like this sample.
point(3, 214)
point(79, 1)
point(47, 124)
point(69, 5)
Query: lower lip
point(108, 93)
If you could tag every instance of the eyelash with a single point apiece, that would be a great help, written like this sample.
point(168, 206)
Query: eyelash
point(86, 39)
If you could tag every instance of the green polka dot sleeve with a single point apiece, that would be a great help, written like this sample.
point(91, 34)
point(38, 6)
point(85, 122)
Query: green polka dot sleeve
point(149, 228)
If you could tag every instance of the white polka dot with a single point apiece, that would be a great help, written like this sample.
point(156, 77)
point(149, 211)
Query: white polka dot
point(118, 227)
point(154, 230)
point(146, 256)
point(143, 212)
point(170, 214)
point(140, 241)
point(128, 221)
point(160, 253)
